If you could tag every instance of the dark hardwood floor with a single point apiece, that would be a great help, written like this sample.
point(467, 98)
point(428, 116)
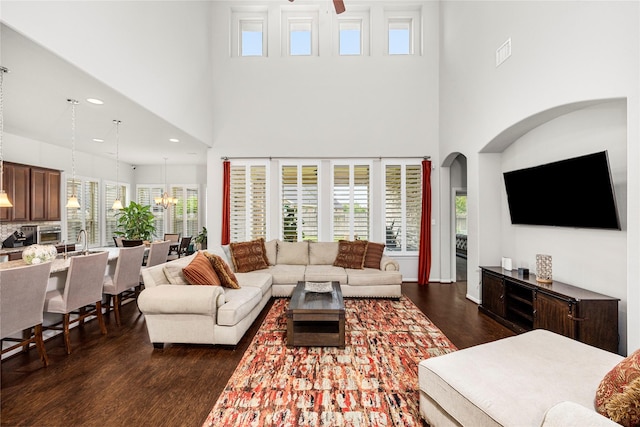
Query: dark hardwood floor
point(118, 379)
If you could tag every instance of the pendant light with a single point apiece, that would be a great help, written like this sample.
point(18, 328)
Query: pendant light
point(165, 200)
point(117, 204)
point(4, 198)
point(73, 199)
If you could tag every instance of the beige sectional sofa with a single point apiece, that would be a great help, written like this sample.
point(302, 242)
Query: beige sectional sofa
point(176, 312)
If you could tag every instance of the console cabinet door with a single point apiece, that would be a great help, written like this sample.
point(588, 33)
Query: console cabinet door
point(554, 314)
point(493, 294)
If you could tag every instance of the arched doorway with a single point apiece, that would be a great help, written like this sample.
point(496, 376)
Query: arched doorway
point(457, 164)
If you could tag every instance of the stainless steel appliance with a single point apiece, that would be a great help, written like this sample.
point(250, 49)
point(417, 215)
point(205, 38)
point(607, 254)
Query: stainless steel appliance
point(42, 234)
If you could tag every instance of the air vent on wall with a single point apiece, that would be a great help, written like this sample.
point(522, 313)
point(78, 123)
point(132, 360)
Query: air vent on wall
point(503, 52)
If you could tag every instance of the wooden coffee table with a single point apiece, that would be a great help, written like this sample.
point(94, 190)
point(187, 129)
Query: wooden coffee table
point(316, 318)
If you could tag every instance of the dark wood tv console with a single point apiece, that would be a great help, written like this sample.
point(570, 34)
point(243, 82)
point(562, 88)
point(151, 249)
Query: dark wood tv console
point(522, 304)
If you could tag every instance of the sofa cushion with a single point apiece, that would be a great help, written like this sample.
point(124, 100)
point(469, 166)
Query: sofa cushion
point(372, 277)
point(293, 253)
point(271, 248)
point(325, 273)
point(227, 277)
point(239, 303)
point(174, 274)
point(618, 395)
point(218, 250)
point(200, 272)
point(322, 253)
point(351, 254)
point(249, 256)
point(256, 279)
point(374, 255)
point(284, 274)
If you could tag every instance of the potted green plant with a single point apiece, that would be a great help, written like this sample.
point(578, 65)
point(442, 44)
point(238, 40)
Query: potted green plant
point(135, 223)
point(201, 239)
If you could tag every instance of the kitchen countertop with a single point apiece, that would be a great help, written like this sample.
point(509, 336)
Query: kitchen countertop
point(60, 264)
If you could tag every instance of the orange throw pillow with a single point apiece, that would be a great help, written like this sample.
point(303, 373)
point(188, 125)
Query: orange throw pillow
point(351, 254)
point(222, 269)
point(249, 256)
point(200, 272)
point(618, 395)
point(374, 255)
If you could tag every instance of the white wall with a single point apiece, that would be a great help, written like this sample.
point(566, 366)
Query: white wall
point(325, 106)
point(166, 67)
point(562, 53)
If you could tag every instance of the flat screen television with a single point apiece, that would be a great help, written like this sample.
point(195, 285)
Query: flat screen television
point(576, 192)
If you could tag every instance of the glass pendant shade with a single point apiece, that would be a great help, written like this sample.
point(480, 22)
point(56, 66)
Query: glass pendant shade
point(117, 204)
point(4, 200)
point(73, 202)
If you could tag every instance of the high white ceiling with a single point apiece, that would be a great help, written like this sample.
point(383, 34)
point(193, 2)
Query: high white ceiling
point(36, 90)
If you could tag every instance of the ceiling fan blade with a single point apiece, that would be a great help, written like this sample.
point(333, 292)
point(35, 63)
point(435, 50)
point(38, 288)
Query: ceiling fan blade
point(339, 5)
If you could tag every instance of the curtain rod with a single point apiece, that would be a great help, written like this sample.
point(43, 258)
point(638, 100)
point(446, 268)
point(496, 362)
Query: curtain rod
point(324, 158)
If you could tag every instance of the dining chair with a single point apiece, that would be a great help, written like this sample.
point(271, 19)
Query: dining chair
point(22, 293)
point(174, 238)
point(118, 241)
point(158, 252)
point(125, 280)
point(82, 290)
point(183, 248)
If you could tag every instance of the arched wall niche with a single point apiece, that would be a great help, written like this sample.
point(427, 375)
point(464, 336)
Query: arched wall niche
point(517, 130)
point(587, 258)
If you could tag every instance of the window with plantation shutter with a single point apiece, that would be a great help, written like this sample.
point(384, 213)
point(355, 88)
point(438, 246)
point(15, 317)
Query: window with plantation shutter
point(300, 205)
point(184, 214)
point(402, 206)
point(351, 201)
point(145, 196)
point(86, 217)
point(248, 196)
point(111, 222)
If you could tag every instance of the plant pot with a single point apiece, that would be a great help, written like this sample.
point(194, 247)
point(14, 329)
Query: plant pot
point(130, 243)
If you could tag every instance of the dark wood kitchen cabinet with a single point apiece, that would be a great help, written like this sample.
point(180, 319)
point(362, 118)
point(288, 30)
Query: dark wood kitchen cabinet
point(16, 180)
point(45, 194)
point(522, 304)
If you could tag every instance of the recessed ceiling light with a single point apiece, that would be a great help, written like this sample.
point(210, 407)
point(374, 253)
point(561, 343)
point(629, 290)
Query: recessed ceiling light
point(174, 140)
point(98, 140)
point(95, 101)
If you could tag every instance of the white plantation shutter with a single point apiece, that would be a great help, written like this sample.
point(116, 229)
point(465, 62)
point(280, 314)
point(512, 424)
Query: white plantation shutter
point(86, 217)
point(299, 195)
point(191, 216)
point(178, 212)
point(351, 202)
point(146, 196)
point(248, 195)
point(403, 204)
point(110, 194)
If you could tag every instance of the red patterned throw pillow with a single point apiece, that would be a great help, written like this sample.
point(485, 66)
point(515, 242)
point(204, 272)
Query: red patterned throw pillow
point(618, 395)
point(249, 256)
point(200, 272)
point(222, 269)
point(351, 254)
point(374, 255)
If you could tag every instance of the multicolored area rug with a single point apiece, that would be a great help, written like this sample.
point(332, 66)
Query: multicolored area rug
point(373, 381)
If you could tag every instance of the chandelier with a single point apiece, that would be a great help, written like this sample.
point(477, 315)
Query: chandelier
point(4, 198)
point(165, 200)
point(73, 199)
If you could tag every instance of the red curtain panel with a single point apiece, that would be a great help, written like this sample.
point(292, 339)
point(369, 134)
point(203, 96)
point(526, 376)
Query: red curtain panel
point(424, 254)
point(226, 203)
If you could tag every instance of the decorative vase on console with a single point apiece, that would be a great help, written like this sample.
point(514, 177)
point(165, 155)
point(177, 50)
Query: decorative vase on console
point(37, 254)
point(543, 268)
